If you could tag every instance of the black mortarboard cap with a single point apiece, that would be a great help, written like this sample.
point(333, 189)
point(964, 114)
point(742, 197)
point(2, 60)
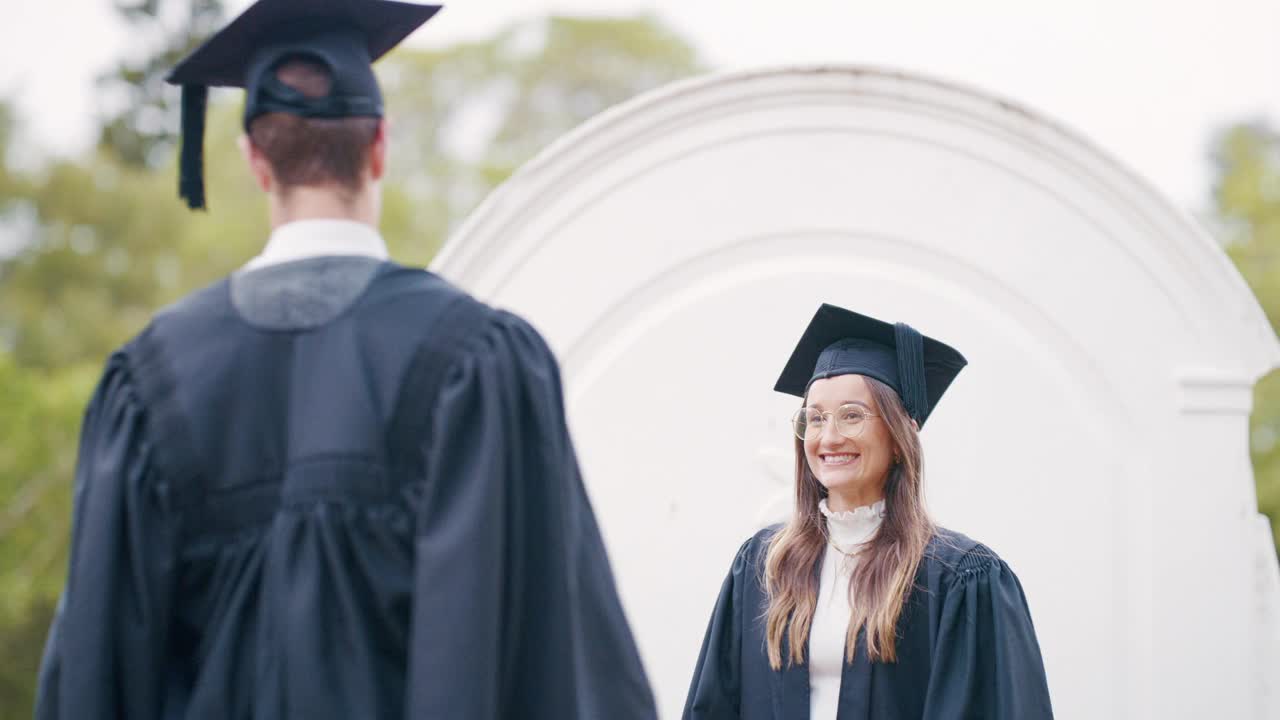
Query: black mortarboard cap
point(345, 36)
point(843, 342)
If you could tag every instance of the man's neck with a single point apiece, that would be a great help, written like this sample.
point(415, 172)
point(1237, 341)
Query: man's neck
point(316, 203)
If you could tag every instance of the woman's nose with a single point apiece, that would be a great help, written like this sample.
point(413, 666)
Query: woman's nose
point(831, 435)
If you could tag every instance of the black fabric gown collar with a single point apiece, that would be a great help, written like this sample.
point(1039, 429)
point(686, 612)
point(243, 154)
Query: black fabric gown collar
point(791, 690)
point(855, 687)
point(791, 684)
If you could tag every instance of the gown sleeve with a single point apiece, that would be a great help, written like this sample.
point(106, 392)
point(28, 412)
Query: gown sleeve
point(104, 654)
point(987, 661)
point(515, 613)
point(715, 691)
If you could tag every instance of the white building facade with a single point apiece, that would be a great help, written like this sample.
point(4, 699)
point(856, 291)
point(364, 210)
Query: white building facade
point(673, 249)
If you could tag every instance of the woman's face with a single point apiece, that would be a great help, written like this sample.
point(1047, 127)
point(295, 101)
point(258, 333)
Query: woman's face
point(852, 469)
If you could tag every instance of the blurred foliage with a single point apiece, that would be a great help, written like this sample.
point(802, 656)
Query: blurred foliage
point(142, 129)
point(91, 246)
point(1246, 195)
point(464, 118)
point(39, 425)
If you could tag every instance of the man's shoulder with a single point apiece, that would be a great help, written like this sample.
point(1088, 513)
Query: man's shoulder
point(207, 300)
point(402, 307)
point(397, 281)
point(396, 293)
point(187, 318)
point(423, 294)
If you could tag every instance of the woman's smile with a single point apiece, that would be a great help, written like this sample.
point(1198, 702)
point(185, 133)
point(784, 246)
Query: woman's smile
point(838, 459)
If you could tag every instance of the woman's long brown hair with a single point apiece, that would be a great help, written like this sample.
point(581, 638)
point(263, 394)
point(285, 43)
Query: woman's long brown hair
point(887, 563)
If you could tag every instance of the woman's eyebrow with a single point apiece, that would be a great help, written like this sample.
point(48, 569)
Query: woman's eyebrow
point(818, 406)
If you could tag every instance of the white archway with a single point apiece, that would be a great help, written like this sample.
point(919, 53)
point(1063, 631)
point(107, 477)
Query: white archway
point(673, 248)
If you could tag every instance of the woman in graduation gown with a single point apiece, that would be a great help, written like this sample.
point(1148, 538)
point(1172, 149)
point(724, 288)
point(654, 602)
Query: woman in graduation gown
point(859, 607)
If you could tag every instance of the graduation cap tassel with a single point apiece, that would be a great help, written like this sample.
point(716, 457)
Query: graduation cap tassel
point(911, 369)
point(191, 158)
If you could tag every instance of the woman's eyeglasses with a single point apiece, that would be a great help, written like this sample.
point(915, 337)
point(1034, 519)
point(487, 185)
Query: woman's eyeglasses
point(810, 423)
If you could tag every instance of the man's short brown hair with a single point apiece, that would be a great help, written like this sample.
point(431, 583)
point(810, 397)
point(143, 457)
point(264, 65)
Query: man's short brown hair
point(313, 151)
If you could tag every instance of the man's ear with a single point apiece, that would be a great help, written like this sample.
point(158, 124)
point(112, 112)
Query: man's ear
point(378, 150)
point(257, 162)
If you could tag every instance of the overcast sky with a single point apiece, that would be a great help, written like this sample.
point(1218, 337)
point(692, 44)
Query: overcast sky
point(1147, 80)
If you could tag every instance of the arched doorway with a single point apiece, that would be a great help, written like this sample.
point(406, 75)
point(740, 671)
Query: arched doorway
point(672, 250)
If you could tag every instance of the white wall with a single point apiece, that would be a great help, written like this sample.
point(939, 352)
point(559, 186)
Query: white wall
point(672, 251)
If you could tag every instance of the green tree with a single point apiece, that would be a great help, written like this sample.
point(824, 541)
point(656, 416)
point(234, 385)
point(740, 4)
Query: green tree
point(464, 118)
point(39, 425)
point(102, 242)
point(1246, 196)
point(142, 129)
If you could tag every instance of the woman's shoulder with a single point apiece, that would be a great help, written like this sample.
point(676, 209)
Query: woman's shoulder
point(751, 553)
point(952, 555)
point(758, 543)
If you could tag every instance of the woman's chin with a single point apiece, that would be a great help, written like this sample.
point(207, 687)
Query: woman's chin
point(839, 482)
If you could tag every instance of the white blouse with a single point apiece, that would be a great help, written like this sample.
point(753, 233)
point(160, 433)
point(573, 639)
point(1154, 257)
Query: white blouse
point(847, 530)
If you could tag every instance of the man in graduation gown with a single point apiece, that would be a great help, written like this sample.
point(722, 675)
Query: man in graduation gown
point(330, 486)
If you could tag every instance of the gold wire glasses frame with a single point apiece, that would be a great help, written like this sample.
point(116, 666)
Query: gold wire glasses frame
point(809, 423)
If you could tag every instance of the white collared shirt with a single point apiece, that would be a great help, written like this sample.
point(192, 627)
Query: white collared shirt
point(304, 239)
point(847, 531)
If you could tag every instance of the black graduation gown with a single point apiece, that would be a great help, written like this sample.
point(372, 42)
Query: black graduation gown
point(966, 649)
point(252, 539)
